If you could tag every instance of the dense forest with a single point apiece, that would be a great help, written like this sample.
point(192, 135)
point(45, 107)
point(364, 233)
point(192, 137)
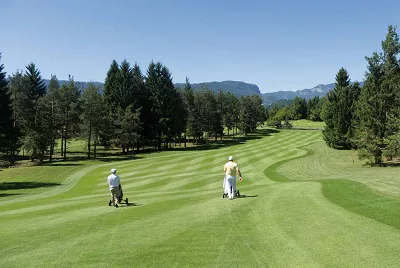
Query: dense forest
point(135, 111)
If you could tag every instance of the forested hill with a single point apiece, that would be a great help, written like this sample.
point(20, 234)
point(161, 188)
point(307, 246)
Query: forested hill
point(83, 85)
point(237, 88)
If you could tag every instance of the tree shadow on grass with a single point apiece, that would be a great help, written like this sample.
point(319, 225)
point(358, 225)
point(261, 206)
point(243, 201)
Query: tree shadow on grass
point(229, 141)
point(62, 164)
point(5, 195)
point(25, 185)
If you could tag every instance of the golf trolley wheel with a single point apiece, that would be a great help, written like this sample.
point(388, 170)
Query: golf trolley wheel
point(126, 200)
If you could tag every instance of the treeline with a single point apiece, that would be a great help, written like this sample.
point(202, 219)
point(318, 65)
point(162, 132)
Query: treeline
point(281, 112)
point(135, 111)
point(367, 118)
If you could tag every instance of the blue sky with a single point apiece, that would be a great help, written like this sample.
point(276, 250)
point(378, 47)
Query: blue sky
point(277, 45)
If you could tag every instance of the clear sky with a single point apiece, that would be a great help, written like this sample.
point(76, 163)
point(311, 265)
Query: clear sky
point(277, 45)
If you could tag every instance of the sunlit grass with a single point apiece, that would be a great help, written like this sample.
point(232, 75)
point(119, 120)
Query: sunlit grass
point(303, 205)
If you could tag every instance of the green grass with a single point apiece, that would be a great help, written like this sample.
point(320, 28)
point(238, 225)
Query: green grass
point(303, 123)
point(304, 205)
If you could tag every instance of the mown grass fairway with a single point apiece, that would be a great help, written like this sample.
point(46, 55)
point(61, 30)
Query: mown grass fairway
point(305, 205)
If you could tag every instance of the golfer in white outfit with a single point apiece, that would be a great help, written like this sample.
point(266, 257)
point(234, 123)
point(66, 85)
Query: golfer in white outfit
point(231, 169)
point(113, 183)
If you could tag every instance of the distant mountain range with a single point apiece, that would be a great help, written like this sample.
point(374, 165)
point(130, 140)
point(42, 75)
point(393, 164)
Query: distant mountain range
point(239, 88)
point(235, 87)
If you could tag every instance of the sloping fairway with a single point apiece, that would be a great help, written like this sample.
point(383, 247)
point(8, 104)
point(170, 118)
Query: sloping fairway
point(303, 205)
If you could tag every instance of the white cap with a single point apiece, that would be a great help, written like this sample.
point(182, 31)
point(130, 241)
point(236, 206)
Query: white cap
point(113, 170)
point(230, 158)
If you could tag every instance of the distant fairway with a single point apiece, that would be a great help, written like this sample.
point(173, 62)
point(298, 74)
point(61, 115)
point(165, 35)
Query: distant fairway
point(305, 205)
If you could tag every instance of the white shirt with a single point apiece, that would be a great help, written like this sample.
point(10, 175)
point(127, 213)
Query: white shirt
point(113, 181)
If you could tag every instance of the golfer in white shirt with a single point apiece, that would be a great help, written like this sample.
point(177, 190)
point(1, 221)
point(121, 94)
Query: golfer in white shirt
point(113, 183)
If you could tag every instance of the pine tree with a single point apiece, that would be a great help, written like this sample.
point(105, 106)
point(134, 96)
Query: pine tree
point(340, 112)
point(378, 127)
point(93, 116)
point(6, 113)
point(142, 103)
point(111, 86)
point(162, 93)
point(70, 109)
point(53, 98)
point(193, 125)
point(35, 113)
point(124, 94)
point(231, 111)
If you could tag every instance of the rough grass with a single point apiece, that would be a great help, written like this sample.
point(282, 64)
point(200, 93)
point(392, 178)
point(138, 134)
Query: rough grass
point(304, 205)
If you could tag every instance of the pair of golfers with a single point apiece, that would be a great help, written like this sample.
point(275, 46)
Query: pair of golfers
point(231, 169)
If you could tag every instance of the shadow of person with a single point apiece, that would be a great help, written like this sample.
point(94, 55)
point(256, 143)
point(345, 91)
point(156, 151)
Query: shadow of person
point(246, 196)
point(133, 204)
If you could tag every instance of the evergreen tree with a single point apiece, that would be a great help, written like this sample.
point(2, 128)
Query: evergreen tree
point(251, 113)
point(17, 86)
point(188, 103)
point(314, 107)
point(193, 119)
point(53, 98)
point(6, 114)
point(35, 113)
point(127, 128)
point(378, 128)
point(230, 111)
point(93, 116)
point(111, 86)
point(162, 93)
point(340, 112)
point(124, 94)
point(298, 109)
point(142, 102)
point(70, 108)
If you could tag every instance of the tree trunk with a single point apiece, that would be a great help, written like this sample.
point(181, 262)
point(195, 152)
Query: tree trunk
point(62, 142)
point(65, 145)
point(89, 136)
point(95, 147)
